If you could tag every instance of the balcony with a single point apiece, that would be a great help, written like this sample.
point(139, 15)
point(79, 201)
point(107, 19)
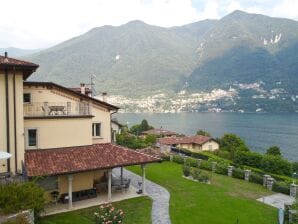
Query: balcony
point(56, 109)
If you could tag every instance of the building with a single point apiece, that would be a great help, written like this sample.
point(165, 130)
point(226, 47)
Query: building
point(116, 128)
point(59, 134)
point(159, 132)
point(197, 143)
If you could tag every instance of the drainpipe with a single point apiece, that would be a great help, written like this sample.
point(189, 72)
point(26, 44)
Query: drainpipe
point(7, 116)
point(15, 120)
point(114, 141)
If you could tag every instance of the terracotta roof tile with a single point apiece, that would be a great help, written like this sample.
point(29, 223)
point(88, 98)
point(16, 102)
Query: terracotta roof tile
point(82, 158)
point(197, 139)
point(16, 62)
point(156, 131)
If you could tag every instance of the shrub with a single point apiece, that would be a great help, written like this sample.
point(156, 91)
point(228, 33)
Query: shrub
point(276, 164)
point(16, 197)
point(20, 219)
point(205, 165)
point(256, 178)
point(178, 159)
point(281, 187)
point(204, 178)
point(221, 169)
point(195, 173)
point(223, 154)
point(249, 159)
point(238, 173)
point(186, 170)
point(108, 214)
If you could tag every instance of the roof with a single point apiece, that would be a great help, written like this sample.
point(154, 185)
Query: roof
point(27, 67)
point(54, 85)
point(157, 131)
point(197, 139)
point(115, 121)
point(76, 159)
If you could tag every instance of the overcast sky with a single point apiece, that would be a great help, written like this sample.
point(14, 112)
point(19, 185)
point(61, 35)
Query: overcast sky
point(43, 23)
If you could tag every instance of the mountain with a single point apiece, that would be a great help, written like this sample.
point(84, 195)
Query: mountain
point(17, 52)
point(132, 58)
point(254, 56)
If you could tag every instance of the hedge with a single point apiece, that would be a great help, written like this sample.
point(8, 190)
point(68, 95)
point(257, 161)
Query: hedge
point(15, 197)
point(281, 187)
point(238, 173)
point(255, 177)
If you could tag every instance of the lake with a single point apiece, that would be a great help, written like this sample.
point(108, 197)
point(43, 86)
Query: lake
point(260, 131)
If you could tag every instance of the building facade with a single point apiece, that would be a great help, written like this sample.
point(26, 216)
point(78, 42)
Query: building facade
point(60, 134)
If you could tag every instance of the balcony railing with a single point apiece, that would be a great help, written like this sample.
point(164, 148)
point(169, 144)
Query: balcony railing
point(51, 109)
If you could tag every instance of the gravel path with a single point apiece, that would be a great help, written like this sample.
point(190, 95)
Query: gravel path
point(159, 195)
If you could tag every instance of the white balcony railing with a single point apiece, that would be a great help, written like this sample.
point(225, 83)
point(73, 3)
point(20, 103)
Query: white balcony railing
point(49, 109)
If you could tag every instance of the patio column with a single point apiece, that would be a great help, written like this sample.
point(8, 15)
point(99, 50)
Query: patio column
point(70, 178)
point(109, 185)
point(143, 179)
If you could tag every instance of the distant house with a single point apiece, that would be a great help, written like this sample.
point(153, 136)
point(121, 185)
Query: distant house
point(82, 90)
point(116, 128)
point(196, 143)
point(159, 132)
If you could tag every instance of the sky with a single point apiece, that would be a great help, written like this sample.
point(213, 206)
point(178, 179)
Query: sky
point(32, 24)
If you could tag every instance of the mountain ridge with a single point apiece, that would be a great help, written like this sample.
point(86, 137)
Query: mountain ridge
point(137, 59)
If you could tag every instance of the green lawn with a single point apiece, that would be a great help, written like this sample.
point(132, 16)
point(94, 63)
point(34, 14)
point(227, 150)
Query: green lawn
point(223, 202)
point(137, 210)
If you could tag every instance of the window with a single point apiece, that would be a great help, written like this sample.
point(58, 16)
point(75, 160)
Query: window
point(96, 129)
point(31, 139)
point(27, 97)
point(210, 147)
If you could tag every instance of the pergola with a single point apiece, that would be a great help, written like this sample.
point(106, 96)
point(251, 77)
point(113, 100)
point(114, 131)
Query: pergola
point(71, 160)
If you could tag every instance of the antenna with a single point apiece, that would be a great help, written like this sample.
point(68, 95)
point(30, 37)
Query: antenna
point(92, 84)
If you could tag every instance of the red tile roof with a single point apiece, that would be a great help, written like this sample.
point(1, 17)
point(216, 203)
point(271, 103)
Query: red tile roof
point(197, 139)
point(49, 162)
point(26, 67)
point(13, 61)
point(157, 131)
point(68, 90)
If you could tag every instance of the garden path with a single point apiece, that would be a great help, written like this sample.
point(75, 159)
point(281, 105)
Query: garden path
point(159, 195)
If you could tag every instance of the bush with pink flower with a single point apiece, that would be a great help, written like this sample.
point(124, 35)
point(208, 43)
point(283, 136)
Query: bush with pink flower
point(107, 214)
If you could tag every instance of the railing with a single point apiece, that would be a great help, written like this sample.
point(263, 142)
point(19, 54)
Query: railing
point(50, 109)
point(7, 178)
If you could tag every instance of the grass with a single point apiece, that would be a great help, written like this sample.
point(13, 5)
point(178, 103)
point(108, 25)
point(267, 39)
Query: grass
point(137, 210)
point(225, 201)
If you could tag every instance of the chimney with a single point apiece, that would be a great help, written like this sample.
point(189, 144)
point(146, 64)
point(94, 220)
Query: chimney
point(104, 96)
point(83, 88)
point(5, 57)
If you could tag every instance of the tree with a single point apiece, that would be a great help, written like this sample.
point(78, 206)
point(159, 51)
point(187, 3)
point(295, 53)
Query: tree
point(138, 128)
point(274, 151)
point(233, 144)
point(204, 133)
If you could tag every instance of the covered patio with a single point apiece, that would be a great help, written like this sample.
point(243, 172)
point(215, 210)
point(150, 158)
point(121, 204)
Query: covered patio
point(86, 171)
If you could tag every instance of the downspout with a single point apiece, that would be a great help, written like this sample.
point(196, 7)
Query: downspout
point(111, 131)
point(15, 120)
point(7, 119)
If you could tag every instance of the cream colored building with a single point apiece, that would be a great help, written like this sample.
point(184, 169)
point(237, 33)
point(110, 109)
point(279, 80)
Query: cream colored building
point(60, 134)
point(196, 143)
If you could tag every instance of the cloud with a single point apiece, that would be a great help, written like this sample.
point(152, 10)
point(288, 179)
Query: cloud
point(39, 24)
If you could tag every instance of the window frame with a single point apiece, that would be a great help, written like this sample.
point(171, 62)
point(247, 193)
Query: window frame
point(27, 138)
point(30, 98)
point(94, 130)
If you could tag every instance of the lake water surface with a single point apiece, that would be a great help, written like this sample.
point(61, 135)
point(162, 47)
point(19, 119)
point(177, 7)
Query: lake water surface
point(258, 130)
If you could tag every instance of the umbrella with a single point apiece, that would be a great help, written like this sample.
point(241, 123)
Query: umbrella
point(5, 155)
